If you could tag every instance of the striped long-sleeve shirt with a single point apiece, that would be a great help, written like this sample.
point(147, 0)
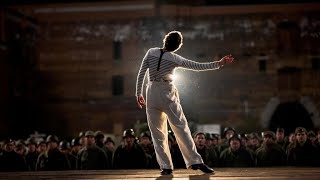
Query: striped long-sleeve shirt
point(169, 62)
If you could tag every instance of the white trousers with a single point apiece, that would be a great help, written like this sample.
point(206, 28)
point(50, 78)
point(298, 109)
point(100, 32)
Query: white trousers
point(163, 104)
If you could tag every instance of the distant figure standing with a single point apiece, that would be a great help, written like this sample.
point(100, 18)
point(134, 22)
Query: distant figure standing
point(163, 101)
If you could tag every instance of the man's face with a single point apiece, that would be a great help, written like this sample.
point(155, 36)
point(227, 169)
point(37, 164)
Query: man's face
point(209, 142)
point(42, 147)
point(235, 144)
point(10, 146)
point(31, 147)
point(301, 137)
point(312, 138)
point(128, 140)
point(200, 140)
point(215, 141)
point(109, 146)
point(145, 141)
point(90, 140)
point(318, 136)
point(76, 148)
point(52, 145)
point(279, 135)
point(292, 138)
point(65, 151)
point(244, 141)
point(82, 140)
point(229, 133)
point(254, 142)
point(268, 140)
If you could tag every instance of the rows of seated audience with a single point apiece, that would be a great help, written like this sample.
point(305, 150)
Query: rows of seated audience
point(94, 151)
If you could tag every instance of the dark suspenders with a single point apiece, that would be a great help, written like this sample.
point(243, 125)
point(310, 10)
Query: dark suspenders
point(159, 61)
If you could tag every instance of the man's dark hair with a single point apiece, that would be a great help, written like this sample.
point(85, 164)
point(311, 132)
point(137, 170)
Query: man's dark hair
point(173, 41)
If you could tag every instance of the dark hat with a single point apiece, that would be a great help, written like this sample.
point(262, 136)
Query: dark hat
point(311, 134)
point(20, 142)
point(31, 141)
point(209, 136)
point(269, 134)
point(227, 129)
point(216, 136)
point(75, 142)
point(198, 133)
point(235, 137)
point(89, 133)
point(82, 134)
point(98, 135)
point(280, 130)
point(64, 145)
point(109, 140)
point(145, 134)
point(52, 138)
point(128, 132)
point(300, 130)
point(254, 136)
point(41, 142)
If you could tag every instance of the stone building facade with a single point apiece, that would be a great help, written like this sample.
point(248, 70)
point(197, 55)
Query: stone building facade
point(88, 56)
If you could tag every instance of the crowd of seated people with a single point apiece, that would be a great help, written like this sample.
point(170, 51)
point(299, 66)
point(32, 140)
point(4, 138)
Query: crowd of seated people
point(94, 151)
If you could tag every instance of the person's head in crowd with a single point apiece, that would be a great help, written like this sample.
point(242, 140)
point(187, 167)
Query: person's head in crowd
point(82, 138)
point(32, 145)
point(280, 135)
point(21, 148)
point(9, 145)
point(128, 137)
point(145, 138)
point(90, 140)
point(200, 140)
point(268, 137)
point(109, 143)
point(235, 142)
point(244, 140)
point(65, 147)
point(75, 145)
point(292, 138)
point(42, 146)
point(301, 135)
point(312, 137)
point(228, 132)
point(209, 139)
point(254, 140)
point(216, 139)
point(99, 137)
point(52, 142)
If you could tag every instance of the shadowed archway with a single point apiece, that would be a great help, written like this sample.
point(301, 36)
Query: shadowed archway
point(290, 115)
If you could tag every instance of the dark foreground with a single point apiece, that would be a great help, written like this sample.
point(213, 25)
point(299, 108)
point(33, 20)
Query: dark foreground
point(221, 173)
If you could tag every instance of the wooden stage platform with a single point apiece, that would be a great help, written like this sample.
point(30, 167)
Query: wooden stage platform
point(179, 174)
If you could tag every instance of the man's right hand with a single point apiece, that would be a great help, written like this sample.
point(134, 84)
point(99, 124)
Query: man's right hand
point(225, 60)
point(141, 102)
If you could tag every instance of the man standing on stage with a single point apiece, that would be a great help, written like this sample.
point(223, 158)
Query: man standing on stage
point(163, 101)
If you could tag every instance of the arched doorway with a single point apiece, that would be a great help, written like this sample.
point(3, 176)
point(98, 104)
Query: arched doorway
point(290, 115)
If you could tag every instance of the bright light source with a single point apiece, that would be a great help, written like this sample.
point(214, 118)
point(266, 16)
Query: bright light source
point(175, 77)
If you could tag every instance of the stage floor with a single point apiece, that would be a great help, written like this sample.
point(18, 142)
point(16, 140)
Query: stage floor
point(179, 174)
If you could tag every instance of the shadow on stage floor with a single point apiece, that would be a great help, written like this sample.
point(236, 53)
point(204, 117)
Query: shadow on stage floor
point(220, 173)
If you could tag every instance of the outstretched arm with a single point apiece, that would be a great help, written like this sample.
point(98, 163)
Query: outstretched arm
point(192, 65)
